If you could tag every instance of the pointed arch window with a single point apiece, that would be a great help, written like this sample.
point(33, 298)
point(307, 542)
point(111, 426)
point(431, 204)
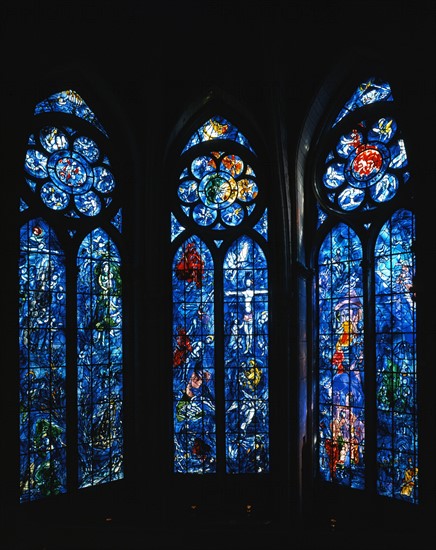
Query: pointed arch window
point(70, 297)
point(219, 234)
point(365, 264)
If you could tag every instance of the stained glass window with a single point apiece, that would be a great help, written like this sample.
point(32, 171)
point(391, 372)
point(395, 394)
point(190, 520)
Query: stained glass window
point(99, 360)
point(395, 328)
point(43, 360)
point(70, 299)
point(341, 358)
point(219, 231)
point(366, 309)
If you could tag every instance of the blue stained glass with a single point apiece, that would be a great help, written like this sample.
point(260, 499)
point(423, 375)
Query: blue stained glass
point(262, 225)
point(219, 190)
point(66, 169)
point(371, 91)
point(88, 204)
point(70, 174)
point(117, 220)
point(341, 374)
point(87, 148)
point(233, 215)
point(176, 227)
point(246, 358)
point(217, 128)
point(367, 166)
point(397, 434)
point(398, 155)
point(194, 359)
point(219, 227)
point(42, 343)
point(71, 103)
point(322, 216)
point(365, 169)
point(334, 175)
point(383, 131)
point(36, 163)
point(99, 360)
point(104, 180)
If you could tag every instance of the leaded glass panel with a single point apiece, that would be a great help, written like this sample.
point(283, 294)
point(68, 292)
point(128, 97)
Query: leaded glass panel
point(372, 90)
point(42, 321)
point(397, 429)
point(99, 360)
point(70, 304)
point(220, 302)
point(194, 359)
point(246, 357)
point(365, 179)
point(341, 364)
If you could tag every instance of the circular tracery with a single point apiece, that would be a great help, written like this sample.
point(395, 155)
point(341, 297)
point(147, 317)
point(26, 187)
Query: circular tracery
point(67, 171)
point(70, 172)
point(366, 167)
point(219, 189)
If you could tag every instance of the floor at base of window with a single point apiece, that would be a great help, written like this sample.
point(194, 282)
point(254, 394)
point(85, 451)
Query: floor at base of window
point(228, 536)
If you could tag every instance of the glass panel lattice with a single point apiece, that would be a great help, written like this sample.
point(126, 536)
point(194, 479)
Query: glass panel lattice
point(220, 307)
point(246, 358)
point(194, 359)
point(99, 360)
point(341, 371)
point(42, 344)
point(397, 423)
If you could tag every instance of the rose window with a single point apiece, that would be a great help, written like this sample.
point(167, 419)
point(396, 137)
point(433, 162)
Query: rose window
point(218, 190)
point(68, 171)
point(366, 168)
